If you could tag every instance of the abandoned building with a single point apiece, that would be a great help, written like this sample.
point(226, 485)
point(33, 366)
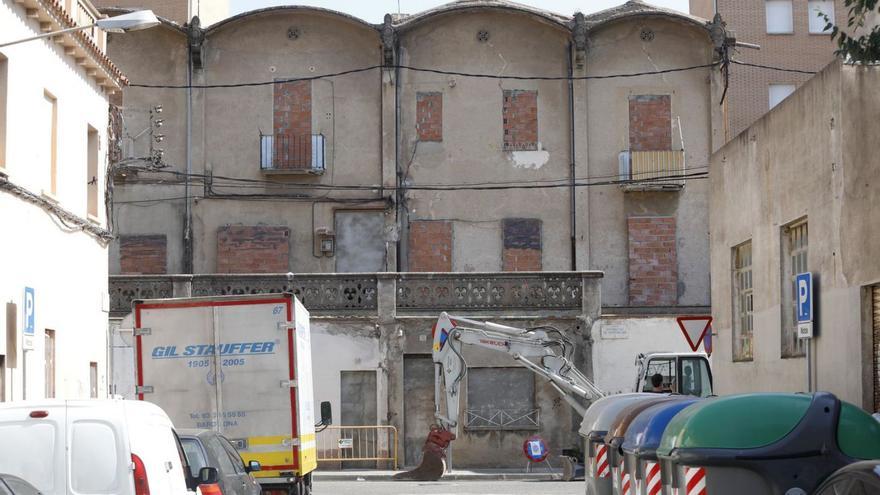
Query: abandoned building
point(441, 161)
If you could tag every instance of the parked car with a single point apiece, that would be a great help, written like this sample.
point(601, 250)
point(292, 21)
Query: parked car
point(95, 446)
point(207, 448)
point(13, 485)
point(859, 478)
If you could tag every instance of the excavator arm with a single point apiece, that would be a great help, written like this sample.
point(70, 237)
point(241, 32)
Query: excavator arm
point(545, 350)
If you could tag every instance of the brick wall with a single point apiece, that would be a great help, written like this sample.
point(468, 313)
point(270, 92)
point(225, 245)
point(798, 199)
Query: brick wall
point(253, 249)
point(521, 244)
point(292, 125)
point(519, 112)
point(650, 123)
point(430, 246)
point(653, 264)
point(144, 254)
point(748, 97)
point(429, 116)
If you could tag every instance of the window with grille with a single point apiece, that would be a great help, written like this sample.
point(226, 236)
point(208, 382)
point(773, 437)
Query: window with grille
point(794, 244)
point(743, 303)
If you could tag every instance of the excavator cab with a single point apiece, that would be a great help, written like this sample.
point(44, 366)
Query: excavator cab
point(674, 372)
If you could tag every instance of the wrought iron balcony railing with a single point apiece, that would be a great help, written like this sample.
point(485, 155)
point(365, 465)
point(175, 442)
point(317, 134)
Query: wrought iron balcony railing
point(292, 153)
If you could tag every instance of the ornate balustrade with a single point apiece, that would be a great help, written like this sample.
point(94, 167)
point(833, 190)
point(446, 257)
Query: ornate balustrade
point(369, 294)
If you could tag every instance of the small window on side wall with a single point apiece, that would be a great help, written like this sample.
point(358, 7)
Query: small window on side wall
point(779, 16)
point(817, 11)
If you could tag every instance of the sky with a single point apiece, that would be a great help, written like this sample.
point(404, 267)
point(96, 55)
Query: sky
point(373, 11)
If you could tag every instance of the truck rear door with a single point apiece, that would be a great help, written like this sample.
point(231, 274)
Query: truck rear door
point(224, 363)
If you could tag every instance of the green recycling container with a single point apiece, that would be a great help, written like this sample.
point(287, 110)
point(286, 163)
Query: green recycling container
point(595, 425)
point(764, 444)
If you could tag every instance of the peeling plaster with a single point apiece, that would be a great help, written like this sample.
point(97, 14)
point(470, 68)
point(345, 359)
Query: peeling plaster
point(530, 159)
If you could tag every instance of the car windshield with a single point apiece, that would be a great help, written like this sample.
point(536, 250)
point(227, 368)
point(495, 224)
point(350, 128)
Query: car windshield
point(194, 455)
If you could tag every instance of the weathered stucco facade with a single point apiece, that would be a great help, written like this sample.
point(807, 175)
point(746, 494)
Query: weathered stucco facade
point(377, 162)
point(379, 325)
point(54, 130)
point(411, 161)
point(808, 162)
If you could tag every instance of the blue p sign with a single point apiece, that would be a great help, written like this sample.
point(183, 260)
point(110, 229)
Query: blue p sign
point(29, 311)
point(804, 288)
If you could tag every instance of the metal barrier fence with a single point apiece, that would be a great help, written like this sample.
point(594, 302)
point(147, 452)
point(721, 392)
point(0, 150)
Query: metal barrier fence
point(358, 444)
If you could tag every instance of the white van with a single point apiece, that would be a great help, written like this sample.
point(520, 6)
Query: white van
point(93, 447)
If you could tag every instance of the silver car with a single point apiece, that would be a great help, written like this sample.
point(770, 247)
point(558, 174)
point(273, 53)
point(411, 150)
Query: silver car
point(207, 448)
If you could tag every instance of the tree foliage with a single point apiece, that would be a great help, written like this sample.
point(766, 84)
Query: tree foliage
point(855, 44)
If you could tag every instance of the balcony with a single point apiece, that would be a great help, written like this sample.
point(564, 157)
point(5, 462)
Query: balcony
point(652, 170)
point(286, 154)
point(387, 294)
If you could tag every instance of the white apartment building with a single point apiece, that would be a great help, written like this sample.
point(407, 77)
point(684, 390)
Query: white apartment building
point(54, 116)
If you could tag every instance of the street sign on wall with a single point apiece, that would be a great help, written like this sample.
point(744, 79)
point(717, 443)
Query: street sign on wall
point(803, 283)
point(30, 317)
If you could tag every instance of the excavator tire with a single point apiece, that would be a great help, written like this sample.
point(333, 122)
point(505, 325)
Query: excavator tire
point(433, 463)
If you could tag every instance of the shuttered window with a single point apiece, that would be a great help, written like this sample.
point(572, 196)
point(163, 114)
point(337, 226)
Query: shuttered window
point(743, 320)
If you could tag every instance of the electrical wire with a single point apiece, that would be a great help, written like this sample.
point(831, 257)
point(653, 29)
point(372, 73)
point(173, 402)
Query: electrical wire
point(242, 182)
point(770, 67)
point(422, 69)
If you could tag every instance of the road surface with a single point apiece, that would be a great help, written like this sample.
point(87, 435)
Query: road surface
point(448, 488)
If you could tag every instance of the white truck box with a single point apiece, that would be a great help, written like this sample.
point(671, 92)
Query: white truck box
point(240, 365)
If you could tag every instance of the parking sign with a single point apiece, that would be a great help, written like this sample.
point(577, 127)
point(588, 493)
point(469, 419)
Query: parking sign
point(803, 284)
point(804, 287)
point(30, 316)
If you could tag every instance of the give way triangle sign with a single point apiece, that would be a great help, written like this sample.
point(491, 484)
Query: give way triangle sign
point(694, 329)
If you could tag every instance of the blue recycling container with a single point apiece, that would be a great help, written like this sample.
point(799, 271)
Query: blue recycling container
point(594, 427)
point(641, 441)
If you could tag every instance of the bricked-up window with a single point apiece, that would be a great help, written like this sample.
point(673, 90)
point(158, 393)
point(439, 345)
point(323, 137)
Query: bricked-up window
point(430, 246)
point(794, 261)
point(743, 302)
point(429, 116)
point(650, 123)
point(253, 249)
point(142, 254)
point(292, 125)
point(522, 244)
point(653, 264)
point(519, 115)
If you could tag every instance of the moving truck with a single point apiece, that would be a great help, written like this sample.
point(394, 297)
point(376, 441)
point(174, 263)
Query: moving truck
point(240, 365)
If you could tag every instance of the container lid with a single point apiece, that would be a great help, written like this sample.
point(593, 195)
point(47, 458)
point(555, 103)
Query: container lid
point(735, 422)
point(646, 430)
point(628, 414)
point(602, 413)
point(858, 433)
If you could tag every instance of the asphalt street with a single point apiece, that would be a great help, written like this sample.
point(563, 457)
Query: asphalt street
point(448, 488)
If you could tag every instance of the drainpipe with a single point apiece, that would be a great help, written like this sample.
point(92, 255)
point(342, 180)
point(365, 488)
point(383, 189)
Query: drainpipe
point(402, 224)
point(572, 167)
point(187, 220)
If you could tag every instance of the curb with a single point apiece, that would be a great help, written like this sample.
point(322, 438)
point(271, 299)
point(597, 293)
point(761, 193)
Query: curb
point(466, 476)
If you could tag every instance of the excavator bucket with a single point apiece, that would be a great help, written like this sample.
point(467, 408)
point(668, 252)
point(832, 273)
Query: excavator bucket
point(433, 463)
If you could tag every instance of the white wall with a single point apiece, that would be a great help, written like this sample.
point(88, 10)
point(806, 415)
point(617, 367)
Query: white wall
point(617, 341)
point(66, 268)
point(335, 349)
